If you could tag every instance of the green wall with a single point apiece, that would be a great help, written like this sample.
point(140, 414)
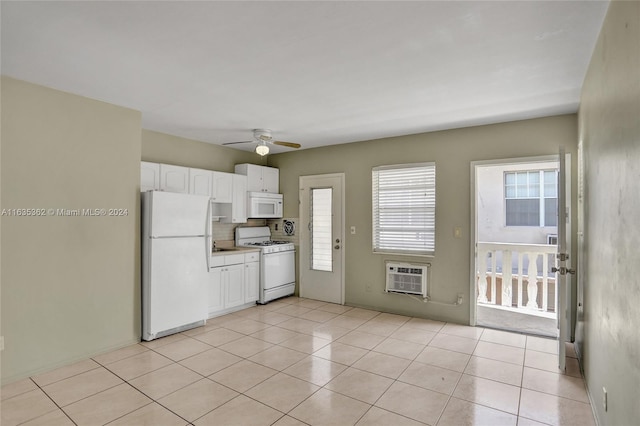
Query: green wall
point(609, 123)
point(70, 285)
point(453, 151)
point(168, 149)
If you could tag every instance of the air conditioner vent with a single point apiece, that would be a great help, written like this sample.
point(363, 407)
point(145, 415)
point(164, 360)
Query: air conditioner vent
point(406, 278)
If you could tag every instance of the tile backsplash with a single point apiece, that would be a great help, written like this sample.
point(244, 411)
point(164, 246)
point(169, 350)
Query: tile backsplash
point(285, 229)
point(226, 231)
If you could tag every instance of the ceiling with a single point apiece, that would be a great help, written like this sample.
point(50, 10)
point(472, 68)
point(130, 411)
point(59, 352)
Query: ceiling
point(316, 73)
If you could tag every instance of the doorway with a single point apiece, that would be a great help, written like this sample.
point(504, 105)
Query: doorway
point(322, 237)
point(516, 236)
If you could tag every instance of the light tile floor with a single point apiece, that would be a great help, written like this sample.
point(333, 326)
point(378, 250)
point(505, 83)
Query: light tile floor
point(299, 361)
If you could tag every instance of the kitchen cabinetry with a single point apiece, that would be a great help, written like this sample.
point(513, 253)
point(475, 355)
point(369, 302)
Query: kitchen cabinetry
point(234, 282)
point(236, 210)
point(149, 176)
point(227, 190)
point(222, 187)
point(174, 178)
point(260, 178)
point(238, 201)
point(217, 185)
point(216, 293)
point(251, 278)
point(200, 181)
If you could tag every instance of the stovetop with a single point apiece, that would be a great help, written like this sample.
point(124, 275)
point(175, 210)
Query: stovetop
point(268, 243)
point(260, 237)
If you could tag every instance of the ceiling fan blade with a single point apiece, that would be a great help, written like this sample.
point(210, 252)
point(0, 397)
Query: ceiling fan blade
point(233, 143)
point(287, 144)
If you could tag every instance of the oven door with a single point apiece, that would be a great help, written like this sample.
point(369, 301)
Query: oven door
point(278, 269)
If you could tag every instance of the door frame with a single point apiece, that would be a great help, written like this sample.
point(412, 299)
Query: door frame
point(474, 215)
point(341, 177)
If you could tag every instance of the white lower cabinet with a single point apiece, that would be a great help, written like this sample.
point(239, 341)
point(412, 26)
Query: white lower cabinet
point(216, 294)
point(251, 281)
point(234, 282)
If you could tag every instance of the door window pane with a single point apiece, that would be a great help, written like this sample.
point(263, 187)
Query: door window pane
point(321, 232)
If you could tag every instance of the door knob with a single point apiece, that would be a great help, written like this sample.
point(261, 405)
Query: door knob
point(337, 240)
point(336, 247)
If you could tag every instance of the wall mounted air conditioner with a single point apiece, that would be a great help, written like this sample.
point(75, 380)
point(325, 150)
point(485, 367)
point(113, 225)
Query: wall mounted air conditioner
point(406, 278)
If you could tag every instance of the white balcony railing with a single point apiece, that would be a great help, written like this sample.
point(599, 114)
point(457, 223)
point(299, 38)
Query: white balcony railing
point(517, 276)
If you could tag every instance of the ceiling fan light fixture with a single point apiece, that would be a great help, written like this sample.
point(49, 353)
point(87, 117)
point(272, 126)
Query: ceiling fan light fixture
point(262, 149)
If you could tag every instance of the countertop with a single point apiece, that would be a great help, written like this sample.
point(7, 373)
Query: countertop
point(222, 251)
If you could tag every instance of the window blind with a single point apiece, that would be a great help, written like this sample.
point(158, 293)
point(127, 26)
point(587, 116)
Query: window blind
point(404, 207)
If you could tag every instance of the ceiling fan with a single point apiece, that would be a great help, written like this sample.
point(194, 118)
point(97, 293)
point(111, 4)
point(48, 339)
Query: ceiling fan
point(264, 139)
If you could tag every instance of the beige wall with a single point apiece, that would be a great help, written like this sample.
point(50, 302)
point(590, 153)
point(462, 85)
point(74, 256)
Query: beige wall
point(168, 149)
point(453, 152)
point(609, 122)
point(70, 285)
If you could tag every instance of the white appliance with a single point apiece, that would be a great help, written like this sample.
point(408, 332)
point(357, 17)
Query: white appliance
point(262, 205)
point(176, 248)
point(277, 262)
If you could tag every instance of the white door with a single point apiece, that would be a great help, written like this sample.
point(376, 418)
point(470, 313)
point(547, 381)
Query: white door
point(322, 237)
point(563, 261)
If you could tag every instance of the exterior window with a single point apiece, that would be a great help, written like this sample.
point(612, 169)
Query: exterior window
point(404, 208)
point(531, 198)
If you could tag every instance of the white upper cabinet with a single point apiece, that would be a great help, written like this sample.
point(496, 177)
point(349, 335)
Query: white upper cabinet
point(174, 178)
point(217, 185)
point(260, 178)
point(271, 180)
point(239, 205)
point(222, 190)
point(236, 212)
point(200, 181)
point(149, 176)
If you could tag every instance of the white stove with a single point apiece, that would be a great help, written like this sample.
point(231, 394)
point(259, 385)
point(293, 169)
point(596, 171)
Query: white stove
point(277, 262)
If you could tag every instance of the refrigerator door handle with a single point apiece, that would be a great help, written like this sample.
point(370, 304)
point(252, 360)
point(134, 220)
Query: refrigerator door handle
point(208, 238)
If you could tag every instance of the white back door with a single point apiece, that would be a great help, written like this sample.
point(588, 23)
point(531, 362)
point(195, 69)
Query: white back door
point(322, 237)
point(563, 262)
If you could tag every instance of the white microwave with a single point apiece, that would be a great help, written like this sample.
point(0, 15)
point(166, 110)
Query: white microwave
point(263, 205)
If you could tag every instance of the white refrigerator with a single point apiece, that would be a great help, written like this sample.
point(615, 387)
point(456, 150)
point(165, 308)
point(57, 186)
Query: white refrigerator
point(176, 250)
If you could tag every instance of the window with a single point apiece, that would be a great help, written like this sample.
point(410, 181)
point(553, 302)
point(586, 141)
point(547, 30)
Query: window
point(321, 249)
point(531, 198)
point(404, 208)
